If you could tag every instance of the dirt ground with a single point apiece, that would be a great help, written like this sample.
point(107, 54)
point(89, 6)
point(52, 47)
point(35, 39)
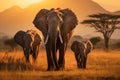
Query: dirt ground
point(100, 66)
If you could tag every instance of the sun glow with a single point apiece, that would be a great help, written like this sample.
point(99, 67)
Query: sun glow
point(32, 1)
point(24, 3)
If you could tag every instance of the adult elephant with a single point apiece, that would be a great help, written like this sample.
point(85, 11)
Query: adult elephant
point(30, 42)
point(81, 50)
point(56, 26)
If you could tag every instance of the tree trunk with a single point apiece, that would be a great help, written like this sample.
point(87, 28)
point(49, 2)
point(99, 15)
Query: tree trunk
point(106, 40)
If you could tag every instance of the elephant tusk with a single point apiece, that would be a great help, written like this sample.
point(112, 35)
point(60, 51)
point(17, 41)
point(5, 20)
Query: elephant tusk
point(46, 40)
point(61, 40)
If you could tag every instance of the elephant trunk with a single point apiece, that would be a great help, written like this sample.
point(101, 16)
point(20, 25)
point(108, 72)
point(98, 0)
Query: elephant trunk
point(53, 39)
point(53, 34)
point(49, 32)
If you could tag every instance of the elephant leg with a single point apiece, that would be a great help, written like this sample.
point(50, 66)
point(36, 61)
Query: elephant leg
point(85, 60)
point(35, 53)
point(82, 61)
point(27, 58)
point(26, 55)
point(79, 61)
point(61, 60)
point(79, 65)
point(54, 54)
point(49, 58)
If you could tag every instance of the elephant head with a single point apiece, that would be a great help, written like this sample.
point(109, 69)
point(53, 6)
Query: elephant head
point(55, 25)
point(54, 21)
point(27, 41)
point(81, 50)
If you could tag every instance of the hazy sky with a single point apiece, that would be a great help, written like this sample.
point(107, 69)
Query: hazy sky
point(111, 5)
point(4, 4)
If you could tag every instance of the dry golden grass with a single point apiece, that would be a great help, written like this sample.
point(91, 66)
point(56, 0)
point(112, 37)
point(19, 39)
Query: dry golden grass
point(100, 66)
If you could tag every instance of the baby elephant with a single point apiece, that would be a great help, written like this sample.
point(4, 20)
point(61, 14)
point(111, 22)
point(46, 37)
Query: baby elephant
point(30, 41)
point(81, 50)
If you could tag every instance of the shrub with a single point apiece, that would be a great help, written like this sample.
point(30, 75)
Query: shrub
point(117, 45)
point(95, 40)
point(10, 42)
point(9, 63)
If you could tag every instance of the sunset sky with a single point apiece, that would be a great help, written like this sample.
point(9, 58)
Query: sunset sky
point(110, 5)
point(4, 4)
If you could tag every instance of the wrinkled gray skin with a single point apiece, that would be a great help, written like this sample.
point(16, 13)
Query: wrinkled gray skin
point(30, 42)
point(81, 50)
point(56, 26)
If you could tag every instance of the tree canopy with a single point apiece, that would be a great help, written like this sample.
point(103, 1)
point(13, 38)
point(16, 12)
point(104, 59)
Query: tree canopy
point(105, 24)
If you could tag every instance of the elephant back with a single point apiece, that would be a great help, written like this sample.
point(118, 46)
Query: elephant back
point(19, 38)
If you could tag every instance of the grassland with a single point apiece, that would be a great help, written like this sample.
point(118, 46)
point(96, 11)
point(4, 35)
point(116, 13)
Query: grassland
point(100, 66)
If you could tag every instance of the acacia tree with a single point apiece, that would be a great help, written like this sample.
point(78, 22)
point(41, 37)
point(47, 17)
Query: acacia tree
point(95, 40)
point(105, 24)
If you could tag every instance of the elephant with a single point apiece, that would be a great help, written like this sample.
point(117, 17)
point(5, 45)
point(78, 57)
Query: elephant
point(30, 41)
point(81, 50)
point(56, 26)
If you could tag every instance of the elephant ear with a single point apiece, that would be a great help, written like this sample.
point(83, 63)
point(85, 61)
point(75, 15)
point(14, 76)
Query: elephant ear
point(69, 21)
point(19, 38)
point(40, 21)
point(89, 47)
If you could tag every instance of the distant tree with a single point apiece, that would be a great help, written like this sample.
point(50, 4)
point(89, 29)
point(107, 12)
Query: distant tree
point(10, 42)
point(117, 45)
point(95, 40)
point(105, 24)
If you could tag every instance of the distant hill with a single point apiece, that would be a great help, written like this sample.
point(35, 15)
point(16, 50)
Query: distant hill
point(117, 12)
point(16, 18)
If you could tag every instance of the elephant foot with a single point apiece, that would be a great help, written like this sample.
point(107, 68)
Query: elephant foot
point(57, 69)
point(50, 69)
point(28, 63)
point(62, 67)
point(84, 67)
point(34, 61)
point(79, 66)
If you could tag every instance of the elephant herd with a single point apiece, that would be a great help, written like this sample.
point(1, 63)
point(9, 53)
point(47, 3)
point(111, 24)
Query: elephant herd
point(57, 26)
